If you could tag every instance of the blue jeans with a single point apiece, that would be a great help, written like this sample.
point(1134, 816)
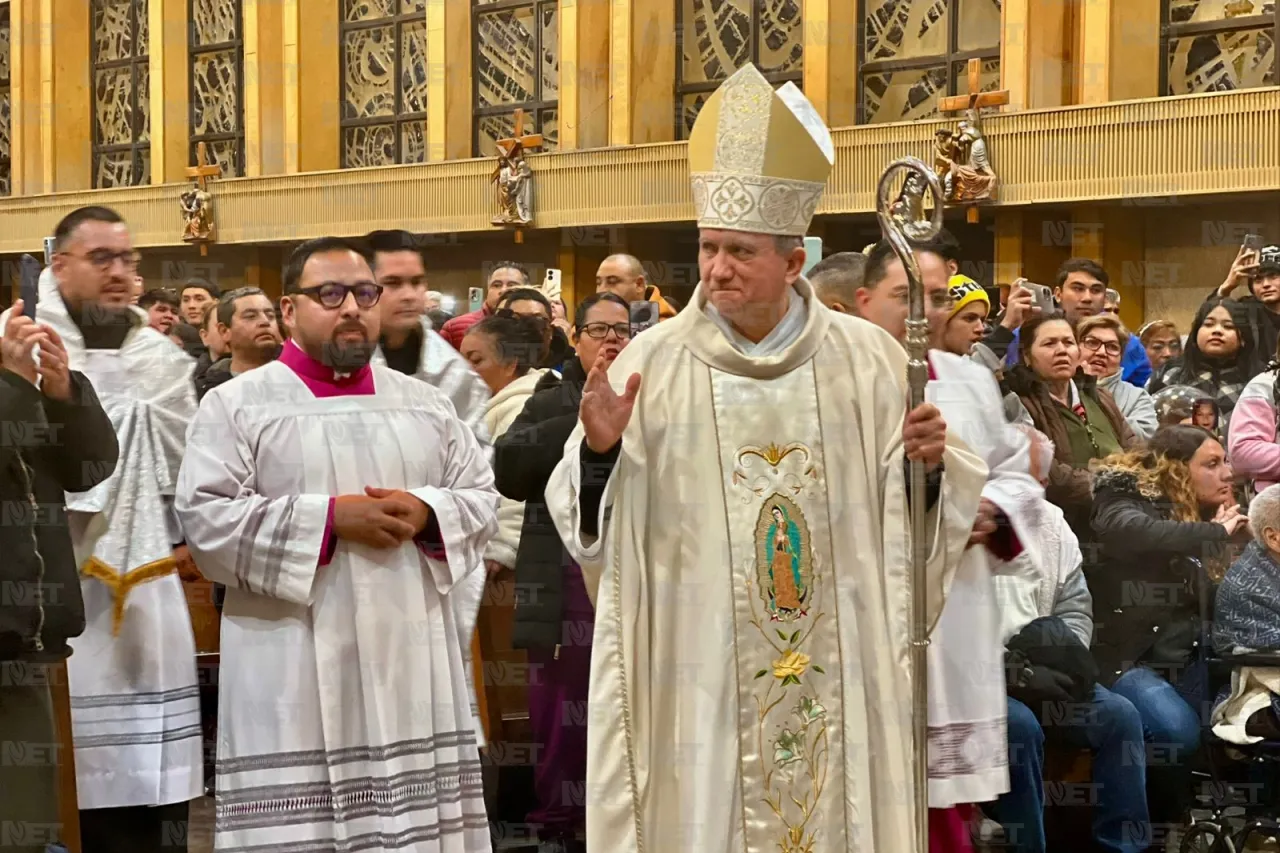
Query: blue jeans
point(1171, 729)
point(1109, 727)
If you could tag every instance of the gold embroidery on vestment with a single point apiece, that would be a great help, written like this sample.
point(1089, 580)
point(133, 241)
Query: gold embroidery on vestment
point(121, 585)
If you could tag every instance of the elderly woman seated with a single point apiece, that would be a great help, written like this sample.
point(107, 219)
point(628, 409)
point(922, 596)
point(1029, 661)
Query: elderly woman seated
point(1246, 622)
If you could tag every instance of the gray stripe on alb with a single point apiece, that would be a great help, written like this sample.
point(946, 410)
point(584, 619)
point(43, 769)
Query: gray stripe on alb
point(248, 543)
point(374, 840)
point(123, 699)
point(275, 552)
point(139, 739)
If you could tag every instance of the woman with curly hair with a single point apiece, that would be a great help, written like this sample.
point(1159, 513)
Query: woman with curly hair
point(1154, 511)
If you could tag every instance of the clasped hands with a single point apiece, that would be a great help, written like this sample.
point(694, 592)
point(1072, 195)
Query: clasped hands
point(380, 518)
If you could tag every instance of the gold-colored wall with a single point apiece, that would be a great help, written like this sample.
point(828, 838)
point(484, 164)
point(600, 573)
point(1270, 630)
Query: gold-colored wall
point(1189, 250)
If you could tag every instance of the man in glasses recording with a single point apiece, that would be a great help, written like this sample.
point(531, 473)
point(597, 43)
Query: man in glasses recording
point(135, 711)
point(346, 507)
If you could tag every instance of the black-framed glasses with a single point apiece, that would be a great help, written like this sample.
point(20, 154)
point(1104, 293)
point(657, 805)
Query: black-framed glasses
point(1093, 344)
point(600, 331)
point(104, 259)
point(331, 295)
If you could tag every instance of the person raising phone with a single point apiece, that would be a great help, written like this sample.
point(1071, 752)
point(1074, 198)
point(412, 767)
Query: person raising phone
point(1259, 270)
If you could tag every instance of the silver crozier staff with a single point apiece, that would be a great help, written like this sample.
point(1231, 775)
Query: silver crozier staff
point(903, 221)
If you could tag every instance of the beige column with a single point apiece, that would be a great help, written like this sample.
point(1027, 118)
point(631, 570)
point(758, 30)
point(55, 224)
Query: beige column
point(642, 62)
point(1118, 42)
point(830, 72)
point(1035, 52)
point(51, 106)
point(264, 78)
point(449, 96)
point(585, 49)
point(170, 98)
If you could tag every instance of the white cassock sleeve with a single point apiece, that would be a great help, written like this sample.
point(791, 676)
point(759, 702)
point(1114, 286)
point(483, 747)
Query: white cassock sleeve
point(268, 546)
point(464, 504)
point(1010, 485)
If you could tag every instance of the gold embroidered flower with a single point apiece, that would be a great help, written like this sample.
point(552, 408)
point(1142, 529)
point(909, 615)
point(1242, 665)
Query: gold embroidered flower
point(790, 666)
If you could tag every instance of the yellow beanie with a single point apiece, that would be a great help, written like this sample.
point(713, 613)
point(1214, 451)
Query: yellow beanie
point(964, 291)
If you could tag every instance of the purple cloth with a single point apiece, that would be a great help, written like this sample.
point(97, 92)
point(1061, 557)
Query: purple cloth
point(558, 712)
point(330, 538)
point(320, 379)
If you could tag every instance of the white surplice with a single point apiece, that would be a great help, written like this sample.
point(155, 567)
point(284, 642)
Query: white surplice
point(344, 721)
point(968, 739)
point(750, 685)
point(443, 367)
point(135, 704)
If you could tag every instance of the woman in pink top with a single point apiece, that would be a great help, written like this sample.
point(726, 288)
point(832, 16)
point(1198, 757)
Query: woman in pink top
point(1255, 454)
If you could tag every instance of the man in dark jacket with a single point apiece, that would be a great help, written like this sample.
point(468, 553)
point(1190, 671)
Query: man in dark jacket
point(56, 439)
point(554, 617)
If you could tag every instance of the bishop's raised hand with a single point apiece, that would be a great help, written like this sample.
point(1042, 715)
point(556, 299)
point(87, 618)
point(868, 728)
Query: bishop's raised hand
point(605, 413)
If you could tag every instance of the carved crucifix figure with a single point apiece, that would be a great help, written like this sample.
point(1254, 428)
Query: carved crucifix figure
point(962, 159)
point(514, 178)
point(197, 203)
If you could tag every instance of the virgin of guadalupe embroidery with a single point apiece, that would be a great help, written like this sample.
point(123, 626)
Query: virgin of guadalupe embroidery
point(784, 563)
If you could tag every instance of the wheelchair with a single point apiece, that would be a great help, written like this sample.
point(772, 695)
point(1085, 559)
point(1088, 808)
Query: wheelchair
point(1238, 787)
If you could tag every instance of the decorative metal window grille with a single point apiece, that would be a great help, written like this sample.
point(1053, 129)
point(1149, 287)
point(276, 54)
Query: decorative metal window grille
point(515, 56)
point(912, 52)
point(384, 82)
point(121, 85)
point(215, 43)
point(1218, 45)
point(717, 37)
point(6, 109)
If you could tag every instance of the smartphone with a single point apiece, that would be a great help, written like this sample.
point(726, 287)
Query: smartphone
point(1252, 243)
point(29, 288)
point(1041, 296)
point(48, 250)
point(812, 253)
point(551, 286)
point(643, 316)
point(475, 298)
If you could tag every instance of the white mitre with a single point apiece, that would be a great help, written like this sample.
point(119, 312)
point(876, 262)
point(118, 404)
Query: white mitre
point(759, 158)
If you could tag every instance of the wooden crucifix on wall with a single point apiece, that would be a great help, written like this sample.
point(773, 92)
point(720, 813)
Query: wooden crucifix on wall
point(514, 178)
point(961, 158)
point(197, 203)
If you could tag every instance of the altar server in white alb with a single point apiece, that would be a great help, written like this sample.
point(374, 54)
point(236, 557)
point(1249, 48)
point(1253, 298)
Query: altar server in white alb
point(737, 501)
point(135, 706)
point(968, 743)
point(342, 503)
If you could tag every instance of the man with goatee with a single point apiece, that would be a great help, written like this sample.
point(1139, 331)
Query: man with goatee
point(342, 503)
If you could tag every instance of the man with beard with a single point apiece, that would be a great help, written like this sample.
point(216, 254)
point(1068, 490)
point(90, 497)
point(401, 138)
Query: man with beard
point(342, 503)
point(247, 322)
point(408, 343)
point(135, 710)
point(161, 305)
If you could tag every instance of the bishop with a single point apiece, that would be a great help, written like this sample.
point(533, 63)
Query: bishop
point(735, 494)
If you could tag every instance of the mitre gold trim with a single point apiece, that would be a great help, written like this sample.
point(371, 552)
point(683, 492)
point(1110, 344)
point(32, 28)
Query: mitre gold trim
point(759, 158)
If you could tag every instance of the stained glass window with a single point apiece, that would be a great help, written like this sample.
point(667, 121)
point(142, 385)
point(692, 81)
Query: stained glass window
point(1218, 45)
point(119, 48)
point(517, 66)
point(216, 47)
point(6, 164)
point(912, 52)
point(384, 82)
point(717, 37)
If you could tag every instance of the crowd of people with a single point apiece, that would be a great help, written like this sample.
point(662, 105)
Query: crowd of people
point(706, 523)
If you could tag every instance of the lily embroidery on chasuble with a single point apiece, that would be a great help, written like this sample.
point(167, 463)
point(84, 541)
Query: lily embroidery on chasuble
point(785, 624)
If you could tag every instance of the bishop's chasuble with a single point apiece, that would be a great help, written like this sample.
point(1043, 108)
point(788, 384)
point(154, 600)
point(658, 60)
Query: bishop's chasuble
point(344, 709)
point(135, 701)
point(750, 684)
